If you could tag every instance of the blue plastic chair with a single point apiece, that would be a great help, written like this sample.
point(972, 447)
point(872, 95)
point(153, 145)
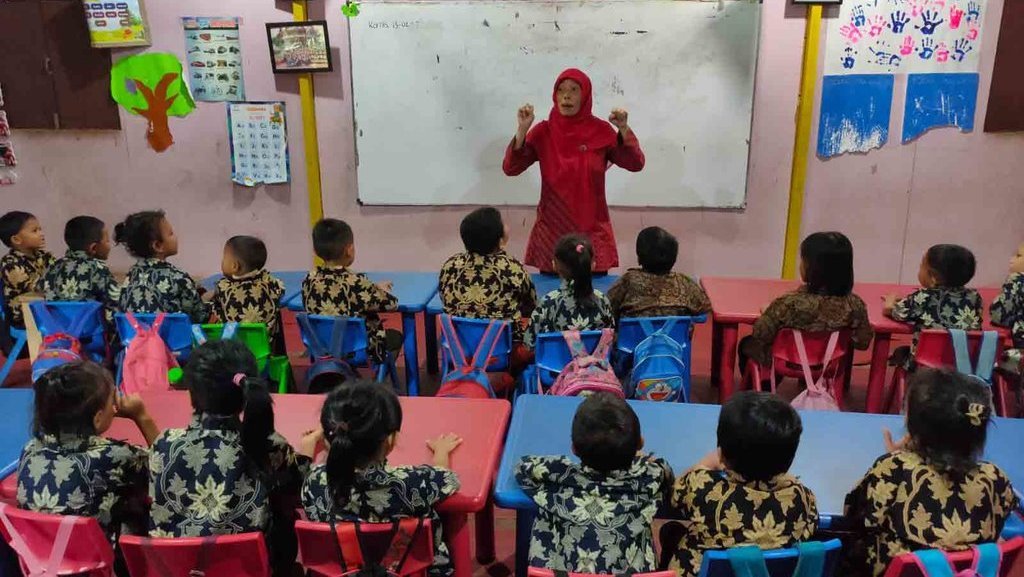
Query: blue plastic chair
point(176, 331)
point(631, 332)
point(64, 314)
point(552, 354)
point(20, 338)
point(469, 333)
point(780, 562)
point(355, 345)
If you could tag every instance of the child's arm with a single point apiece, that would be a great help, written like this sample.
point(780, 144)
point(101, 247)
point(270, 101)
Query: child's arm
point(1006, 308)
point(860, 326)
point(132, 407)
point(527, 293)
point(375, 299)
point(699, 301)
point(903, 310)
point(442, 447)
point(192, 302)
point(111, 296)
point(771, 321)
point(616, 295)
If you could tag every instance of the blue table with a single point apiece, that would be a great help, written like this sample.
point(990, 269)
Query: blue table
point(836, 449)
point(15, 427)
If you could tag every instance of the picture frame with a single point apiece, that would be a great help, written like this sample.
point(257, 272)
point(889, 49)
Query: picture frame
point(117, 23)
point(297, 47)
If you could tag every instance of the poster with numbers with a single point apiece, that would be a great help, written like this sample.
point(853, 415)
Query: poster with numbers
point(259, 143)
point(115, 23)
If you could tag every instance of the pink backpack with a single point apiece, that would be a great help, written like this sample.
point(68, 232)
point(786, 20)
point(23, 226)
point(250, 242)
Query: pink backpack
point(818, 396)
point(147, 359)
point(588, 373)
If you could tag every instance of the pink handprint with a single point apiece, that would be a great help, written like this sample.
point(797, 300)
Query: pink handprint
point(942, 52)
point(908, 46)
point(956, 15)
point(877, 25)
point(917, 7)
point(939, 4)
point(972, 33)
point(851, 33)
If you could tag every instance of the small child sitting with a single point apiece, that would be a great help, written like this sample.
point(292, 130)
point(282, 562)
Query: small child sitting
point(82, 274)
point(741, 494)
point(595, 517)
point(653, 290)
point(248, 293)
point(931, 490)
point(24, 265)
point(1007, 310)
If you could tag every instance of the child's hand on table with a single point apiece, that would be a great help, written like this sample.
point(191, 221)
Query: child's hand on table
point(442, 447)
point(311, 443)
point(889, 302)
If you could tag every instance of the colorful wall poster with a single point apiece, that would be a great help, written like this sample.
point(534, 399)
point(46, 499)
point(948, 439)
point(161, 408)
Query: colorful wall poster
point(114, 23)
point(214, 58)
point(855, 113)
point(905, 36)
point(937, 100)
point(259, 143)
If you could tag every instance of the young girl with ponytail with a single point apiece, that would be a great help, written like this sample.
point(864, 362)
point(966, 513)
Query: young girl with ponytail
point(360, 423)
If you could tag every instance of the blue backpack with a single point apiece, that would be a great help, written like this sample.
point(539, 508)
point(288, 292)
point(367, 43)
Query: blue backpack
point(330, 367)
point(934, 563)
point(658, 367)
point(748, 560)
point(986, 354)
point(468, 378)
point(63, 344)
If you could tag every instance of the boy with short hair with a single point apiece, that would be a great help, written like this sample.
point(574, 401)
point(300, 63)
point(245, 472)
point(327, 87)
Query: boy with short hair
point(248, 293)
point(24, 265)
point(82, 273)
point(653, 290)
point(595, 517)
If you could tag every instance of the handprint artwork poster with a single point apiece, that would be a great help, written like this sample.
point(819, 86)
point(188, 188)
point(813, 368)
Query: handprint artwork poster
point(905, 37)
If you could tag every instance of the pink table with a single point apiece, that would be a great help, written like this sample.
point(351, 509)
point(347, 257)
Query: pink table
point(738, 301)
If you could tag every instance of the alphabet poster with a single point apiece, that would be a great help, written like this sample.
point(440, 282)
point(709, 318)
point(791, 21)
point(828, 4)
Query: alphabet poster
point(259, 143)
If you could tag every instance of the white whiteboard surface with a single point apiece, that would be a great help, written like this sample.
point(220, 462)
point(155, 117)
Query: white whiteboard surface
point(436, 87)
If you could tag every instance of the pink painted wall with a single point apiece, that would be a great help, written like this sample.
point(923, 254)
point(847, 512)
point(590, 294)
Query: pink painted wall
point(110, 174)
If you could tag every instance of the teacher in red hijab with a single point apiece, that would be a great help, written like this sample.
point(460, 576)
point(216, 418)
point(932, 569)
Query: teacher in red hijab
point(575, 149)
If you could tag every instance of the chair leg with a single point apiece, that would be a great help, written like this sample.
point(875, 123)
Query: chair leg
point(999, 384)
point(892, 403)
point(13, 357)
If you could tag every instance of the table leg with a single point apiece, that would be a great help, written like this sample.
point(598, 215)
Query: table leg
point(430, 332)
point(730, 333)
point(412, 358)
point(716, 352)
point(524, 526)
point(456, 533)
point(876, 378)
point(485, 533)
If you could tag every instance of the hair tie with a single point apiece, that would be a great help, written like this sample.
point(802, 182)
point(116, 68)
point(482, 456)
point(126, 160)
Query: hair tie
point(239, 379)
point(975, 412)
point(579, 248)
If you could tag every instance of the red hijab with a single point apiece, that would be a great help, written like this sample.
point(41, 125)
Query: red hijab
point(571, 133)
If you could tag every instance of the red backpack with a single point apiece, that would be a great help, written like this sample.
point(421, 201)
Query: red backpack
point(588, 373)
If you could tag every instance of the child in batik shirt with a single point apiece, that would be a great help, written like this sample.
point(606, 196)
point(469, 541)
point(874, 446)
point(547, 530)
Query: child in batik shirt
point(595, 517)
point(82, 274)
point(22, 268)
point(1007, 310)
point(360, 423)
point(577, 305)
point(741, 494)
point(248, 293)
point(68, 468)
point(931, 491)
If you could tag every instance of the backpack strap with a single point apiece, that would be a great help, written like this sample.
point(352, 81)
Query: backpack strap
point(206, 548)
point(604, 346)
point(153, 556)
point(488, 342)
point(57, 551)
point(987, 559)
point(647, 327)
point(229, 332)
point(133, 322)
point(933, 563)
point(747, 561)
point(338, 327)
point(397, 544)
point(198, 335)
point(987, 356)
point(665, 328)
point(316, 347)
point(811, 562)
point(157, 322)
point(575, 343)
point(452, 342)
point(337, 541)
point(801, 351)
point(961, 352)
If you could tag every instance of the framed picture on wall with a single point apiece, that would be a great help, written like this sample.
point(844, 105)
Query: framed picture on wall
point(117, 24)
point(299, 46)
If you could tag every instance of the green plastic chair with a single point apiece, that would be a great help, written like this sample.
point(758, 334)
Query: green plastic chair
point(256, 338)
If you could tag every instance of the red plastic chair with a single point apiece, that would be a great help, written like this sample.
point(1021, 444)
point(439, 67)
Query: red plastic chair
point(537, 572)
point(935, 350)
point(318, 547)
point(906, 566)
point(786, 361)
point(242, 555)
point(56, 544)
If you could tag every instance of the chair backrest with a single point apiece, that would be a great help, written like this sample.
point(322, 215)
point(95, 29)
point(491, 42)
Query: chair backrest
point(318, 546)
point(355, 339)
point(815, 344)
point(176, 331)
point(55, 544)
point(538, 572)
point(64, 314)
point(631, 332)
point(780, 562)
point(553, 353)
point(254, 336)
point(242, 555)
point(906, 565)
point(469, 333)
point(935, 348)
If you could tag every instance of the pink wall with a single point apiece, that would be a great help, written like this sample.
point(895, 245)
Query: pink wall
point(110, 174)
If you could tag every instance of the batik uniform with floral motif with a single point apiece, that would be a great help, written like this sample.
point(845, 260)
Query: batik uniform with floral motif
point(341, 292)
point(88, 476)
point(639, 293)
point(202, 483)
point(1007, 310)
point(940, 308)
point(903, 504)
point(157, 286)
point(589, 522)
point(382, 493)
point(250, 298)
point(80, 277)
point(488, 286)
point(721, 509)
point(20, 275)
point(559, 311)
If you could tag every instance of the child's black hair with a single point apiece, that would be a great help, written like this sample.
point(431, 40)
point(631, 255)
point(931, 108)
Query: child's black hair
point(331, 237)
point(758, 434)
point(249, 251)
point(947, 418)
point(82, 232)
point(139, 232)
point(67, 398)
point(210, 375)
point(11, 224)
point(482, 230)
point(828, 263)
point(952, 264)
point(606, 433)
point(577, 256)
point(357, 419)
point(657, 250)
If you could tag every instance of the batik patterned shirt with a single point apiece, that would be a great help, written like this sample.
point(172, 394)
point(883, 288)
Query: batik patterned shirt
point(341, 292)
point(157, 286)
point(20, 275)
point(559, 311)
point(250, 298)
point(88, 476)
point(642, 294)
point(488, 286)
point(941, 308)
point(904, 504)
point(721, 509)
point(590, 522)
point(382, 493)
point(202, 483)
point(80, 277)
point(1007, 309)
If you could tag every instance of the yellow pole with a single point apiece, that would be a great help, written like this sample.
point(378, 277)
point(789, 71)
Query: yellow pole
point(802, 146)
point(312, 144)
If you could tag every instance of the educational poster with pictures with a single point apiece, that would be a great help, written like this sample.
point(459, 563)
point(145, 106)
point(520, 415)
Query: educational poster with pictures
point(259, 143)
point(214, 59)
point(116, 23)
point(7, 160)
point(905, 37)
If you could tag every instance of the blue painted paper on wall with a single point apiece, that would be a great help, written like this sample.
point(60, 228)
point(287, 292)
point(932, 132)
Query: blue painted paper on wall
point(937, 100)
point(855, 112)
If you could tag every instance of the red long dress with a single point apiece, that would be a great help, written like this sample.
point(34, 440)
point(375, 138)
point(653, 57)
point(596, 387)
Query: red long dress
point(574, 154)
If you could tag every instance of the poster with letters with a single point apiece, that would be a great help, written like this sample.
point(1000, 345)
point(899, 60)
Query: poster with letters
point(259, 143)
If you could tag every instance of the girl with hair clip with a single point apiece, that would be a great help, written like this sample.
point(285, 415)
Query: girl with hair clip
point(360, 423)
point(931, 490)
point(576, 305)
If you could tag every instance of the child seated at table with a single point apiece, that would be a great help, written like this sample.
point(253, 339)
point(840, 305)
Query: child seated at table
point(68, 468)
point(576, 305)
point(595, 517)
point(82, 274)
point(741, 494)
point(931, 490)
point(360, 423)
point(248, 293)
point(333, 290)
point(824, 303)
point(24, 265)
point(1007, 310)
point(653, 290)
point(153, 284)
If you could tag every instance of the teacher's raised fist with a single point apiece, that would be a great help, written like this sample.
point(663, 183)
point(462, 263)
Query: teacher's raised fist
point(619, 118)
point(525, 117)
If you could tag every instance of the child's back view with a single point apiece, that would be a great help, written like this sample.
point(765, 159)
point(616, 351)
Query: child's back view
point(595, 517)
point(248, 293)
point(82, 273)
point(943, 301)
point(653, 290)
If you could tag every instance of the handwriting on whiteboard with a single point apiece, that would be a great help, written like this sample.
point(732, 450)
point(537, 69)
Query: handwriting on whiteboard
point(395, 25)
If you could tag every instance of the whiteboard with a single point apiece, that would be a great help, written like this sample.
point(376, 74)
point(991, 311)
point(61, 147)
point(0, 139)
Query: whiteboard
point(436, 86)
